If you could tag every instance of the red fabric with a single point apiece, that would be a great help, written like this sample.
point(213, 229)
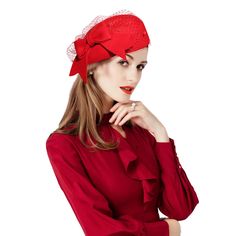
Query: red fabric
point(118, 192)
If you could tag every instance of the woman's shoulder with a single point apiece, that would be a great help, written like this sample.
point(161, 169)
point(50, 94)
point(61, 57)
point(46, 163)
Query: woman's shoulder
point(58, 139)
point(63, 137)
point(61, 134)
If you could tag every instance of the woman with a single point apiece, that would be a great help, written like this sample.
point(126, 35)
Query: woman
point(112, 157)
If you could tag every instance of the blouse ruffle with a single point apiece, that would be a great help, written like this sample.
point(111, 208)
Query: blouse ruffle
point(136, 168)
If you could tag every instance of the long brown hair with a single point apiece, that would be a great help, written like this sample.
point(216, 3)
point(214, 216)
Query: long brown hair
point(84, 110)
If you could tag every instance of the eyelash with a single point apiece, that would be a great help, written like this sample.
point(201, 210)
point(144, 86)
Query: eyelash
point(121, 62)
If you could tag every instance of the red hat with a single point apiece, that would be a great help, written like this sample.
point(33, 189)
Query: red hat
point(105, 37)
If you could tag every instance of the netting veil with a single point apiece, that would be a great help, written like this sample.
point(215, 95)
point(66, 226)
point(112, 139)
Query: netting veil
point(71, 53)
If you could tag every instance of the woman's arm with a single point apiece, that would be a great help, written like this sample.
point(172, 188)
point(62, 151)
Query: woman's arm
point(178, 198)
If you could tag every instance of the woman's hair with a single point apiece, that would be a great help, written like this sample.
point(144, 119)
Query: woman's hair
point(84, 111)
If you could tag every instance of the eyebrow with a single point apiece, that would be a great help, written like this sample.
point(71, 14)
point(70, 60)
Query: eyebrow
point(133, 58)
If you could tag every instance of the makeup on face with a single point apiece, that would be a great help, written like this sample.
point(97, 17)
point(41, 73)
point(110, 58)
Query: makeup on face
point(118, 77)
point(127, 89)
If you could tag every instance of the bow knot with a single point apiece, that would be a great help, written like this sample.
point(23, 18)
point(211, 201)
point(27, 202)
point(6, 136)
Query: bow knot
point(81, 48)
point(96, 35)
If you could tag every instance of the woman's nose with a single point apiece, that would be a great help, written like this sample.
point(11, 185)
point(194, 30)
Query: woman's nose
point(133, 75)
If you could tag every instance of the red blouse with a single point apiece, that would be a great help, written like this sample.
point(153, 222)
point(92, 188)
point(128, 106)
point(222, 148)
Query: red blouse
point(118, 192)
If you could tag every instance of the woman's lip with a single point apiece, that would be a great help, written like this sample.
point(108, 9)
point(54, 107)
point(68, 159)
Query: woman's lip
point(126, 91)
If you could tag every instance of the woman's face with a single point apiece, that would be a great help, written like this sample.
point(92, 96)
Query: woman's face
point(116, 72)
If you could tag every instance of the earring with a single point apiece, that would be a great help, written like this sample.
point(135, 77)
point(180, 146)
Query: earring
point(90, 73)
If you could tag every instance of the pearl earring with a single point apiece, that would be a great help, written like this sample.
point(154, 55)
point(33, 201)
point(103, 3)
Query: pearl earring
point(90, 73)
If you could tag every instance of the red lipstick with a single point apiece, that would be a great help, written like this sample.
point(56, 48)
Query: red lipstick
point(127, 89)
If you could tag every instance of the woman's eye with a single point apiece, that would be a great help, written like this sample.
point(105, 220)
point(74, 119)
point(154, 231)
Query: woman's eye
point(142, 67)
point(123, 62)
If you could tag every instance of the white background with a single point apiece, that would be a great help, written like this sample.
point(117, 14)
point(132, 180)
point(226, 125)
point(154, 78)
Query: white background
point(189, 84)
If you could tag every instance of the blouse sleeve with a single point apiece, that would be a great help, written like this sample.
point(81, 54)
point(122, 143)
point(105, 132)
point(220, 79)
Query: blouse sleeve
point(178, 198)
point(89, 205)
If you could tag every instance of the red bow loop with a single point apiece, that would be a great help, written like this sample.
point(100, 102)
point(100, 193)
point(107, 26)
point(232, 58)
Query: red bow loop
point(98, 34)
